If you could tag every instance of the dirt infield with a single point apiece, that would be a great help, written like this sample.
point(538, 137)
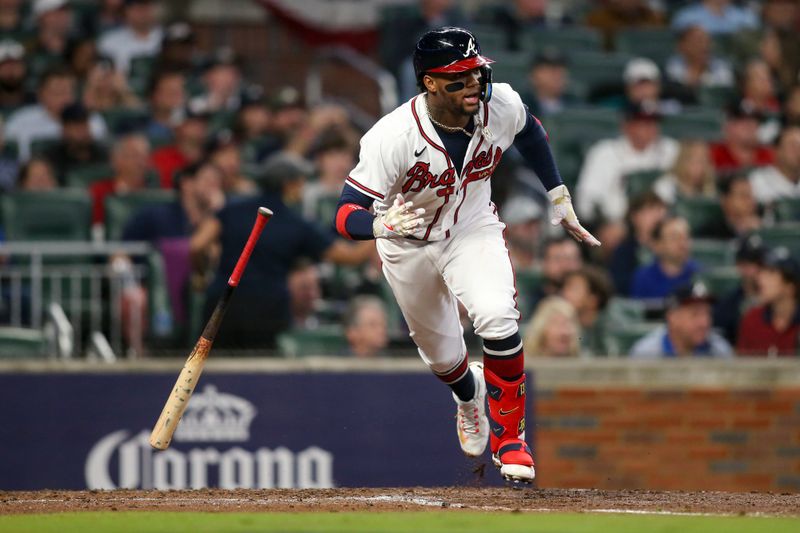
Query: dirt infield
point(476, 499)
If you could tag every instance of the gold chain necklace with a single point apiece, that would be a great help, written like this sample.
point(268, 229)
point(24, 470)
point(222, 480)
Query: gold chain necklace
point(451, 129)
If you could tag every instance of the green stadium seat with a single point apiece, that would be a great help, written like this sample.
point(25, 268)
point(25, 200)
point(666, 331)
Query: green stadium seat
point(141, 71)
point(22, 343)
point(568, 39)
point(528, 283)
point(694, 123)
point(721, 280)
point(119, 208)
point(84, 176)
point(327, 340)
point(785, 234)
point(121, 119)
point(637, 183)
point(594, 69)
point(787, 210)
point(703, 214)
point(716, 97)
point(626, 310)
point(657, 44)
point(492, 39)
point(10, 149)
point(63, 215)
point(511, 67)
point(41, 146)
point(712, 253)
point(621, 338)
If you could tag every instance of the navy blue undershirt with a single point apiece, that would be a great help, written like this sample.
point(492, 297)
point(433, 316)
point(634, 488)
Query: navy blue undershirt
point(531, 142)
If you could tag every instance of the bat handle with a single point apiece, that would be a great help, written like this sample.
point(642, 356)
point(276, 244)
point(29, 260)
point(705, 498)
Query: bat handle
point(264, 215)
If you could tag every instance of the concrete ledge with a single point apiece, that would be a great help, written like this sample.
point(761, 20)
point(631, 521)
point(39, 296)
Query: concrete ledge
point(549, 373)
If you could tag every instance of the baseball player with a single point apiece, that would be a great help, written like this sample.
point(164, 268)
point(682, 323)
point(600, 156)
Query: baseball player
point(421, 188)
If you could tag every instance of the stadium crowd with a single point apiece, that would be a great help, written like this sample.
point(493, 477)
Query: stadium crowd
point(676, 124)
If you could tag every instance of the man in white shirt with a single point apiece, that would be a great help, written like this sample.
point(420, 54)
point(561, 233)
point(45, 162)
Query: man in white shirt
point(601, 185)
point(781, 179)
point(43, 120)
point(141, 35)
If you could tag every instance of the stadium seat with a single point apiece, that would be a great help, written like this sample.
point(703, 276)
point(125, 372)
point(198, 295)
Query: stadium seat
point(717, 97)
point(63, 215)
point(621, 338)
point(657, 44)
point(141, 71)
point(721, 280)
point(785, 234)
point(22, 343)
point(119, 208)
point(528, 283)
point(84, 176)
point(567, 39)
point(40, 146)
point(637, 183)
point(327, 340)
point(712, 253)
point(787, 210)
point(10, 149)
point(694, 123)
point(625, 310)
point(123, 119)
point(595, 70)
point(511, 67)
point(703, 214)
point(493, 40)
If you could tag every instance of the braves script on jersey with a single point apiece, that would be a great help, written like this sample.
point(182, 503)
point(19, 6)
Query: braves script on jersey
point(402, 153)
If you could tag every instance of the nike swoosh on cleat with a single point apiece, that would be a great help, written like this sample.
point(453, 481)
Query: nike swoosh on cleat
point(504, 413)
point(417, 154)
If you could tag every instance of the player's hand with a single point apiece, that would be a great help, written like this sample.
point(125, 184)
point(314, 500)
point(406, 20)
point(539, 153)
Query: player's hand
point(400, 220)
point(564, 214)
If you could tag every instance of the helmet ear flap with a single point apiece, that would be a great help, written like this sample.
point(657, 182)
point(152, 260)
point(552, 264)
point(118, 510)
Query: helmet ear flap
point(486, 83)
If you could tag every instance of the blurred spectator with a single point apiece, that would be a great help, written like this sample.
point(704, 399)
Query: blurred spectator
point(644, 212)
point(758, 87)
point(43, 120)
point(691, 176)
point(226, 154)
point(222, 82)
point(288, 116)
point(560, 256)
point(130, 156)
point(110, 16)
point(672, 265)
point(693, 66)
point(190, 141)
point(76, 149)
point(773, 328)
point(305, 295)
point(687, 331)
point(254, 119)
point(524, 16)
point(715, 17)
point(643, 83)
point(781, 179)
point(37, 175)
point(261, 308)
point(523, 219)
point(13, 72)
point(178, 49)
point(53, 24)
point(365, 326)
point(740, 147)
point(140, 36)
point(553, 331)
point(728, 311)
point(334, 158)
point(739, 209)
point(81, 56)
point(317, 122)
point(548, 79)
point(612, 16)
point(9, 166)
point(588, 290)
point(167, 95)
point(601, 185)
point(780, 43)
point(107, 89)
point(168, 228)
point(791, 107)
point(10, 16)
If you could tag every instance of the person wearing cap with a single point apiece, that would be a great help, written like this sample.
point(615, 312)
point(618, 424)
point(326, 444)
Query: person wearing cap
point(191, 136)
point(254, 119)
point(167, 96)
point(548, 79)
point(588, 290)
point(53, 24)
point(261, 308)
point(522, 216)
point(716, 17)
point(13, 72)
point(730, 307)
point(672, 265)
point(773, 328)
point(601, 192)
point(226, 153)
point(178, 48)
point(694, 66)
point(76, 148)
point(140, 36)
point(781, 179)
point(740, 148)
point(687, 331)
point(222, 81)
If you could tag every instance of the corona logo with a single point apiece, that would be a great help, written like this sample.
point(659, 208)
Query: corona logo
point(212, 416)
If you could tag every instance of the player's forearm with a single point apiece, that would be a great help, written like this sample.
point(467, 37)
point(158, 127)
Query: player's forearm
point(535, 149)
point(354, 222)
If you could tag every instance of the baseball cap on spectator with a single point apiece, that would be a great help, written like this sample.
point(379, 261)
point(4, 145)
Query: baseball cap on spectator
point(549, 56)
point(521, 209)
point(74, 112)
point(687, 293)
point(197, 108)
point(645, 110)
point(781, 260)
point(743, 108)
point(751, 249)
point(45, 6)
point(224, 55)
point(253, 94)
point(641, 69)
point(11, 51)
point(178, 32)
point(281, 169)
point(287, 98)
point(220, 140)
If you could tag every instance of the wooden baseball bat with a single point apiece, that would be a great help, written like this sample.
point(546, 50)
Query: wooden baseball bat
point(178, 399)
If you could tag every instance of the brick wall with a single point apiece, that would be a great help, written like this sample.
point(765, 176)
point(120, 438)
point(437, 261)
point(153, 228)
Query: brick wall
point(685, 438)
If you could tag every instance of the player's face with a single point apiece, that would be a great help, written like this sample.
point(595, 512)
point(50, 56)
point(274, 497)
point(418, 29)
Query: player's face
point(459, 93)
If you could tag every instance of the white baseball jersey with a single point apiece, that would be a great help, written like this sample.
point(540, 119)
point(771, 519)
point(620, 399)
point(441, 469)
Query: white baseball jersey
point(402, 153)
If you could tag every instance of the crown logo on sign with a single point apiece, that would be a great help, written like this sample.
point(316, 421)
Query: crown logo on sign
point(217, 417)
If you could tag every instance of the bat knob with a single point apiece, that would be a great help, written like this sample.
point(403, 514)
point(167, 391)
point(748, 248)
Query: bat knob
point(264, 212)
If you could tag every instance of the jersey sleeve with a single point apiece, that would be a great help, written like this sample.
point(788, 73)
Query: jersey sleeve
point(376, 169)
point(503, 94)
